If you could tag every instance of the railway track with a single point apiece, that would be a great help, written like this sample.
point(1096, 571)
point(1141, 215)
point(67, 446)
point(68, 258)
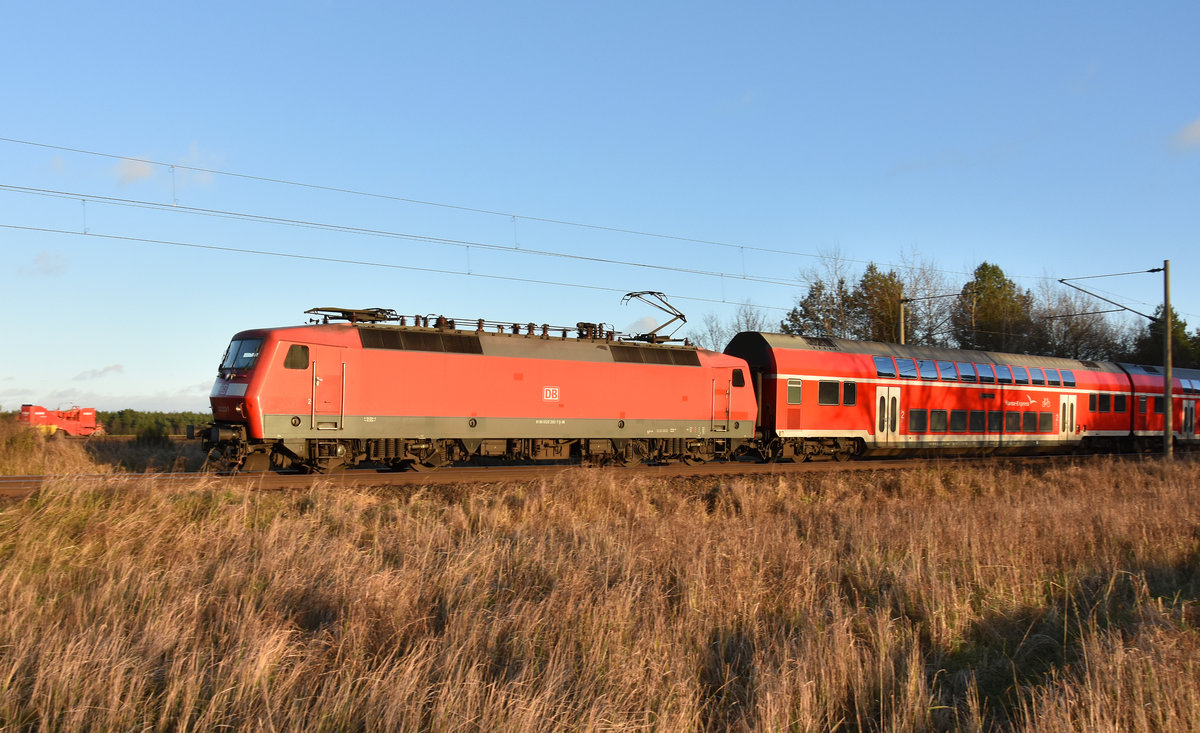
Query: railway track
point(18, 487)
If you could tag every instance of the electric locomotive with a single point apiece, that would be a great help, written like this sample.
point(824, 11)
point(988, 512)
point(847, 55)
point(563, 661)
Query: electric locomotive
point(365, 386)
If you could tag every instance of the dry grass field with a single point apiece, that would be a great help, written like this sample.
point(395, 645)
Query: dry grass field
point(936, 598)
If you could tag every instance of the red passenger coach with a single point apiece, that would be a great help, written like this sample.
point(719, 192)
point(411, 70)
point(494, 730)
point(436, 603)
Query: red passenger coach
point(324, 396)
point(847, 398)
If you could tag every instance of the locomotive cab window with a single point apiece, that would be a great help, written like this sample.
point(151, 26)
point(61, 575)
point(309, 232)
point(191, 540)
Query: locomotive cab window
point(242, 354)
point(795, 390)
point(297, 357)
point(739, 379)
point(827, 393)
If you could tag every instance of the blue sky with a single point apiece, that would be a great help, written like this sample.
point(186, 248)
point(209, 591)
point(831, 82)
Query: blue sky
point(1053, 139)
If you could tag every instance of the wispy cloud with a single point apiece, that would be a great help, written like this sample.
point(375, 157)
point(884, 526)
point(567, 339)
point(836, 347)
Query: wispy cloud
point(98, 373)
point(1189, 137)
point(132, 170)
point(46, 264)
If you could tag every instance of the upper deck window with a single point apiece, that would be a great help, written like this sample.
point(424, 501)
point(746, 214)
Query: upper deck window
point(907, 367)
point(928, 369)
point(241, 354)
point(949, 373)
point(1004, 374)
point(1052, 377)
point(1021, 375)
point(1068, 378)
point(986, 375)
point(884, 366)
point(1038, 377)
point(966, 371)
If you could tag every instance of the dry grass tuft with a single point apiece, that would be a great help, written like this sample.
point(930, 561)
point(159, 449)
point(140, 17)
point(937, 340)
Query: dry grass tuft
point(942, 598)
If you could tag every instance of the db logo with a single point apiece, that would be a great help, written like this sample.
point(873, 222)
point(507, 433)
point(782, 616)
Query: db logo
point(550, 394)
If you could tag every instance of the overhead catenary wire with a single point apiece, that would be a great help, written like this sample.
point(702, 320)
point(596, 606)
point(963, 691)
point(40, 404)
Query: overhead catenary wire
point(491, 212)
point(347, 261)
point(475, 210)
point(284, 221)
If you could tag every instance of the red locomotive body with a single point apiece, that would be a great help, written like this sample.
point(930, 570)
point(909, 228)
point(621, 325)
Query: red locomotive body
point(327, 395)
point(80, 421)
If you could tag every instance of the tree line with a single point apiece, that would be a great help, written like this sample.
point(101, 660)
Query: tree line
point(136, 422)
point(989, 312)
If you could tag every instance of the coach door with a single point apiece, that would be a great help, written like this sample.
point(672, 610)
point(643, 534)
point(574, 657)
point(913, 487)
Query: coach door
point(328, 389)
point(887, 415)
point(1066, 417)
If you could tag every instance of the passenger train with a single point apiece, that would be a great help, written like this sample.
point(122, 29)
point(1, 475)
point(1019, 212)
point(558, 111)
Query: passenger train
point(366, 387)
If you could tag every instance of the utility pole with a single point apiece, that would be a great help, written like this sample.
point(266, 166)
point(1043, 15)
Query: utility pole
point(1169, 429)
point(1168, 411)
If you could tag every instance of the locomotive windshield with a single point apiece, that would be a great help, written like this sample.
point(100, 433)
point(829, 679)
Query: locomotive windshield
point(241, 354)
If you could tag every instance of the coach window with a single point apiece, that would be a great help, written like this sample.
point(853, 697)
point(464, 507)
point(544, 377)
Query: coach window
point(907, 367)
point(918, 421)
point(1105, 403)
point(739, 379)
point(1142, 404)
point(1029, 422)
point(884, 367)
point(1119, 403)
point(1052, 377)
point(850, 393)
point(937, 421)
point(966, 371)
point(1158, 406)
point(827, 393)
point(1068, 378)
point(1003, 374)
point(949, 373)
point(1012, 422)
point(976, 423)
point(928, 369)
point(958, 421)
point(1036, 376)
point(1020, 375)
point(297, 357)
point(995, 421)
point(1092, 402)
point(986, 375)
point(1045, 422)
point(794, 391)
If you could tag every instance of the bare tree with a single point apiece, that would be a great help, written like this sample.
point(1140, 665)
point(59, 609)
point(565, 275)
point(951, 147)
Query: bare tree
point(715, 333)
point(826, 309)
point(927, 316)
point(1070, 324)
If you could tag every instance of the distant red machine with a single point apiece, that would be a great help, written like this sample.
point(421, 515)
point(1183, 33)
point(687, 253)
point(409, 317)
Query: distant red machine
point(75, 421)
